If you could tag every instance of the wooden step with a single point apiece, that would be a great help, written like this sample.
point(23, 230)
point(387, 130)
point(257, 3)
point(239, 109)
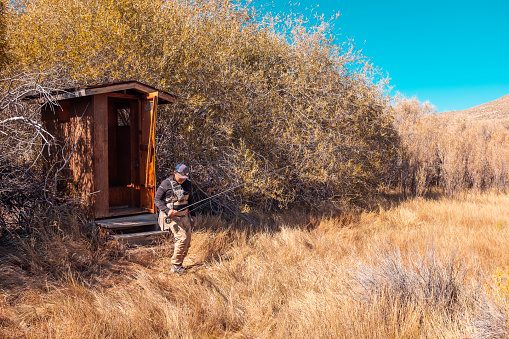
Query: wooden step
point(128, 222)
point(137, 236)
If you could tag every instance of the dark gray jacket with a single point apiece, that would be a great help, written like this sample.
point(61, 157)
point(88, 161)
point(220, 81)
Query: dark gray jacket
point(164, 194)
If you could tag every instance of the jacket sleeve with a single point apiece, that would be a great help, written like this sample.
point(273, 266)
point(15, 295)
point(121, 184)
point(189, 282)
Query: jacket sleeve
point(160, 196)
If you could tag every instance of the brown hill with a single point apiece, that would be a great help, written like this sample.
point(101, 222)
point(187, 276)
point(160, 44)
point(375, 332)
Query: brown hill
point(494, 110)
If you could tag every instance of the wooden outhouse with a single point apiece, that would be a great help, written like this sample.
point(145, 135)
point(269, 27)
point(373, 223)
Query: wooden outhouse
point(108, 137)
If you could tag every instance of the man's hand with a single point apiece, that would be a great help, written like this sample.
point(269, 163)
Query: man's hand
point(171, 213)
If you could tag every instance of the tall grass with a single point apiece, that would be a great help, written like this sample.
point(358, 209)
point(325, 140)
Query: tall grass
point(420, 269)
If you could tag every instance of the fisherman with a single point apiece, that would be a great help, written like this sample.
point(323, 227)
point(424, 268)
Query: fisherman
point(172, 199)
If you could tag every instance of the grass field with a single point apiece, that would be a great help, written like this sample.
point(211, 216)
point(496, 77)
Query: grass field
point(421, 269)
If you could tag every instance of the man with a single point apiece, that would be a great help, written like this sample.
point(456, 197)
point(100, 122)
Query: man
point(172, 199)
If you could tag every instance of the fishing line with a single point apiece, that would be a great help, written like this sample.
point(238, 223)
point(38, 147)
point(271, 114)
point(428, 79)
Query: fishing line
point(231, 189)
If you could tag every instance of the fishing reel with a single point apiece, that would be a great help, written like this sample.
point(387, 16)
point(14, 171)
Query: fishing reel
point(168, 219)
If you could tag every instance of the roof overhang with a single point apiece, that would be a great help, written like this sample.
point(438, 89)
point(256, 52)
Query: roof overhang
point(163, 97)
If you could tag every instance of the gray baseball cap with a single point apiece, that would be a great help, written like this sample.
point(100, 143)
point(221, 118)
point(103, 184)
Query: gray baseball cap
point(182, 171)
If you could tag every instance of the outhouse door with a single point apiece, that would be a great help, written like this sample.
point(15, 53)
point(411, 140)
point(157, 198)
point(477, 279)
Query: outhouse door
point(131, 154)
point(147, 152)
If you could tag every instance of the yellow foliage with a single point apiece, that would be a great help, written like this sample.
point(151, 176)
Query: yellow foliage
point(3, 40)
point(263, 100)
point(455, 154)
point(501, 279)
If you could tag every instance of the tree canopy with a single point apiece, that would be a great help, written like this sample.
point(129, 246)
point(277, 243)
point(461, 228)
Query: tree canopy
point(269, 101)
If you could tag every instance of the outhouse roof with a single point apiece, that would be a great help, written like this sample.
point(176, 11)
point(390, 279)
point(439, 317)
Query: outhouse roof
point(163, 97)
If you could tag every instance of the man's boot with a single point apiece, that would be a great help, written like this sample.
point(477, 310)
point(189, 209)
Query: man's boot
point(177, 269)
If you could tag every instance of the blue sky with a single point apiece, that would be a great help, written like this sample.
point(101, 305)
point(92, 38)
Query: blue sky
point(453, 53)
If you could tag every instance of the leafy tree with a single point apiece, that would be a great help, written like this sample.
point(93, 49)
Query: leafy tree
point(3, 41)
point(272, 102)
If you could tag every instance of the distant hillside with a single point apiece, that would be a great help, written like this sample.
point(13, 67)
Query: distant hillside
point(494, 110)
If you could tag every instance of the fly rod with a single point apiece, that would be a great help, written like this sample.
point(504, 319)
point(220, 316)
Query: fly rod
point(231, 189)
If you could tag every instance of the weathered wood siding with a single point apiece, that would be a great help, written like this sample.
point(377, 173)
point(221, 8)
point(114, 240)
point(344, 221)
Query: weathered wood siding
point(100, 159)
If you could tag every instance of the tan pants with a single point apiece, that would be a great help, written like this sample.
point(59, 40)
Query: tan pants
point(181, 229)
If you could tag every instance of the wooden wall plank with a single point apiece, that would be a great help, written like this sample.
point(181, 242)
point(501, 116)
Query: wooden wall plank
point(80, 132)
point(101, 198)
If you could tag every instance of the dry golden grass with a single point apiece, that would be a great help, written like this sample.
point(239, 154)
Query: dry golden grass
point(421, 269)
point(494, 110)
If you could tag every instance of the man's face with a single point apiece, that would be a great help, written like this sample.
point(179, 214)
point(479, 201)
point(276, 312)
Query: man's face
point(179, 179)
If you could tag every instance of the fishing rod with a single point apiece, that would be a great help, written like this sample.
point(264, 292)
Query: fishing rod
point(231, 189)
